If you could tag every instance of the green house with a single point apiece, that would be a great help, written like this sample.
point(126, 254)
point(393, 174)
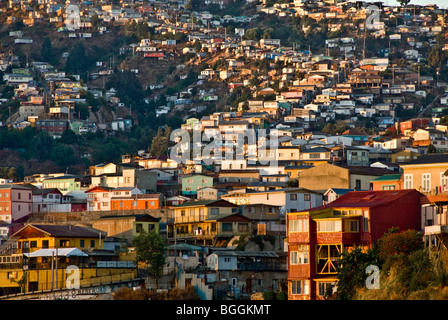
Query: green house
point(63, 183)
point(191, 183)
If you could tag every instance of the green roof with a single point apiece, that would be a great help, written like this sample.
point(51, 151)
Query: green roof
point(388, 177)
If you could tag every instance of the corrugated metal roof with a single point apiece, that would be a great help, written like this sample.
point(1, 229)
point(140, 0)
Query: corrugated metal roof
point(60, 252)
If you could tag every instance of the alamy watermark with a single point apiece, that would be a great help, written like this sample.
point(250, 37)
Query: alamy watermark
point(374, 18)
point(373, 280)
point(253, 146)
point(73, 19)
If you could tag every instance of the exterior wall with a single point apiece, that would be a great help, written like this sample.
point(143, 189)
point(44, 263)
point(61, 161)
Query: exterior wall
point(56, 243)
point(117, 227)
point(89, 276)
point(191, 184)
point(404, 213)
point(15, 204)
point(134, 204)
point(323, 177)
point(364, 181)
point(62, 184)
point(435, 170)
point(387, 185)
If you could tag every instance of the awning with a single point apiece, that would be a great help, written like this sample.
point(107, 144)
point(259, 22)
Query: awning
point(60, 252)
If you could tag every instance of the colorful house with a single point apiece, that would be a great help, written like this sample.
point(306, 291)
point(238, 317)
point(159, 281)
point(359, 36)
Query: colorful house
point(16, 202)
point(37, 258)
point(137, 202)
point(318, 236)
point(211, 222)
point(191, 184)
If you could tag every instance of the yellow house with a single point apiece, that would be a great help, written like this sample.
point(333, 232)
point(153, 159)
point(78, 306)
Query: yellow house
point(212, 222)
point(427, 174)
point(40, 236)
point(37, 258)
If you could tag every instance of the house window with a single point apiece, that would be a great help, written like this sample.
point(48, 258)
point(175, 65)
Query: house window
point(243, 227)
point(299, 225)
point(307, 197)
point(329, 226)
point(294, 257)
point(408, 181)
point(358, 184)
point(81, 243)
point(64, 243)
point(33, 244)
point(45, 244)
point(227, 226)
point(325, 287)
point(389, 187)
point(191, 212)
point(351, 225)
point(443, 182)
point(426, 182)
point(214, 211)
point(365, 221)
point(138, 228)
point(301, 256)
point(300, 287)
point(182, 213)
point(293, 196)
point(92, 243)
point(251, 209)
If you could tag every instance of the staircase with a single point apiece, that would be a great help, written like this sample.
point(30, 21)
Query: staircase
point(9, 246)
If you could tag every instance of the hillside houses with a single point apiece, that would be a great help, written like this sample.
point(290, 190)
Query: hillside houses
point(302, 152)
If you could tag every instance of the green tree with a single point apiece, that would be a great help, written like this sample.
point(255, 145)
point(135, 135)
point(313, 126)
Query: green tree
point(351, 270)
point(431, 149)
point(403, 2)
point(252, 34)
point(159, 144)
point(47, 50)
point(151, 251)
point(78, 61)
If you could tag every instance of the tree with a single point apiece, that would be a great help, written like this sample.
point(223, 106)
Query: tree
point(47, 50)
point(252, 34)
point(192, 5)
point(403, 2)
point(396, 242)
point(77, 61)
point(151, 250)
point(431, 149)
point(352, 271)
point(159, 144)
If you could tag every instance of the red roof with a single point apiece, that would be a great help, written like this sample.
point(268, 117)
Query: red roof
point(367, 199)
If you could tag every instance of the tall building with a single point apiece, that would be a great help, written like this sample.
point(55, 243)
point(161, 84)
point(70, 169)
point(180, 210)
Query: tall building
point(318, 236)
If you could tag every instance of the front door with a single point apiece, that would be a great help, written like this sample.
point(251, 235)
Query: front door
point(248, 285)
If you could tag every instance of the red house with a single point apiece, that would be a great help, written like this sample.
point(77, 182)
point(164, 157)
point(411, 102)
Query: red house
point(317, 236)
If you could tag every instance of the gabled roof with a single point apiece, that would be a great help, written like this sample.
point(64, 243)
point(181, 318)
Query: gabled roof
point(46, 191)
point(63, 231)
point(338, 191)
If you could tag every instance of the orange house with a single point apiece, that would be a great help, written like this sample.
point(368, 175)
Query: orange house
point(388, 182)
point(137, 202)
